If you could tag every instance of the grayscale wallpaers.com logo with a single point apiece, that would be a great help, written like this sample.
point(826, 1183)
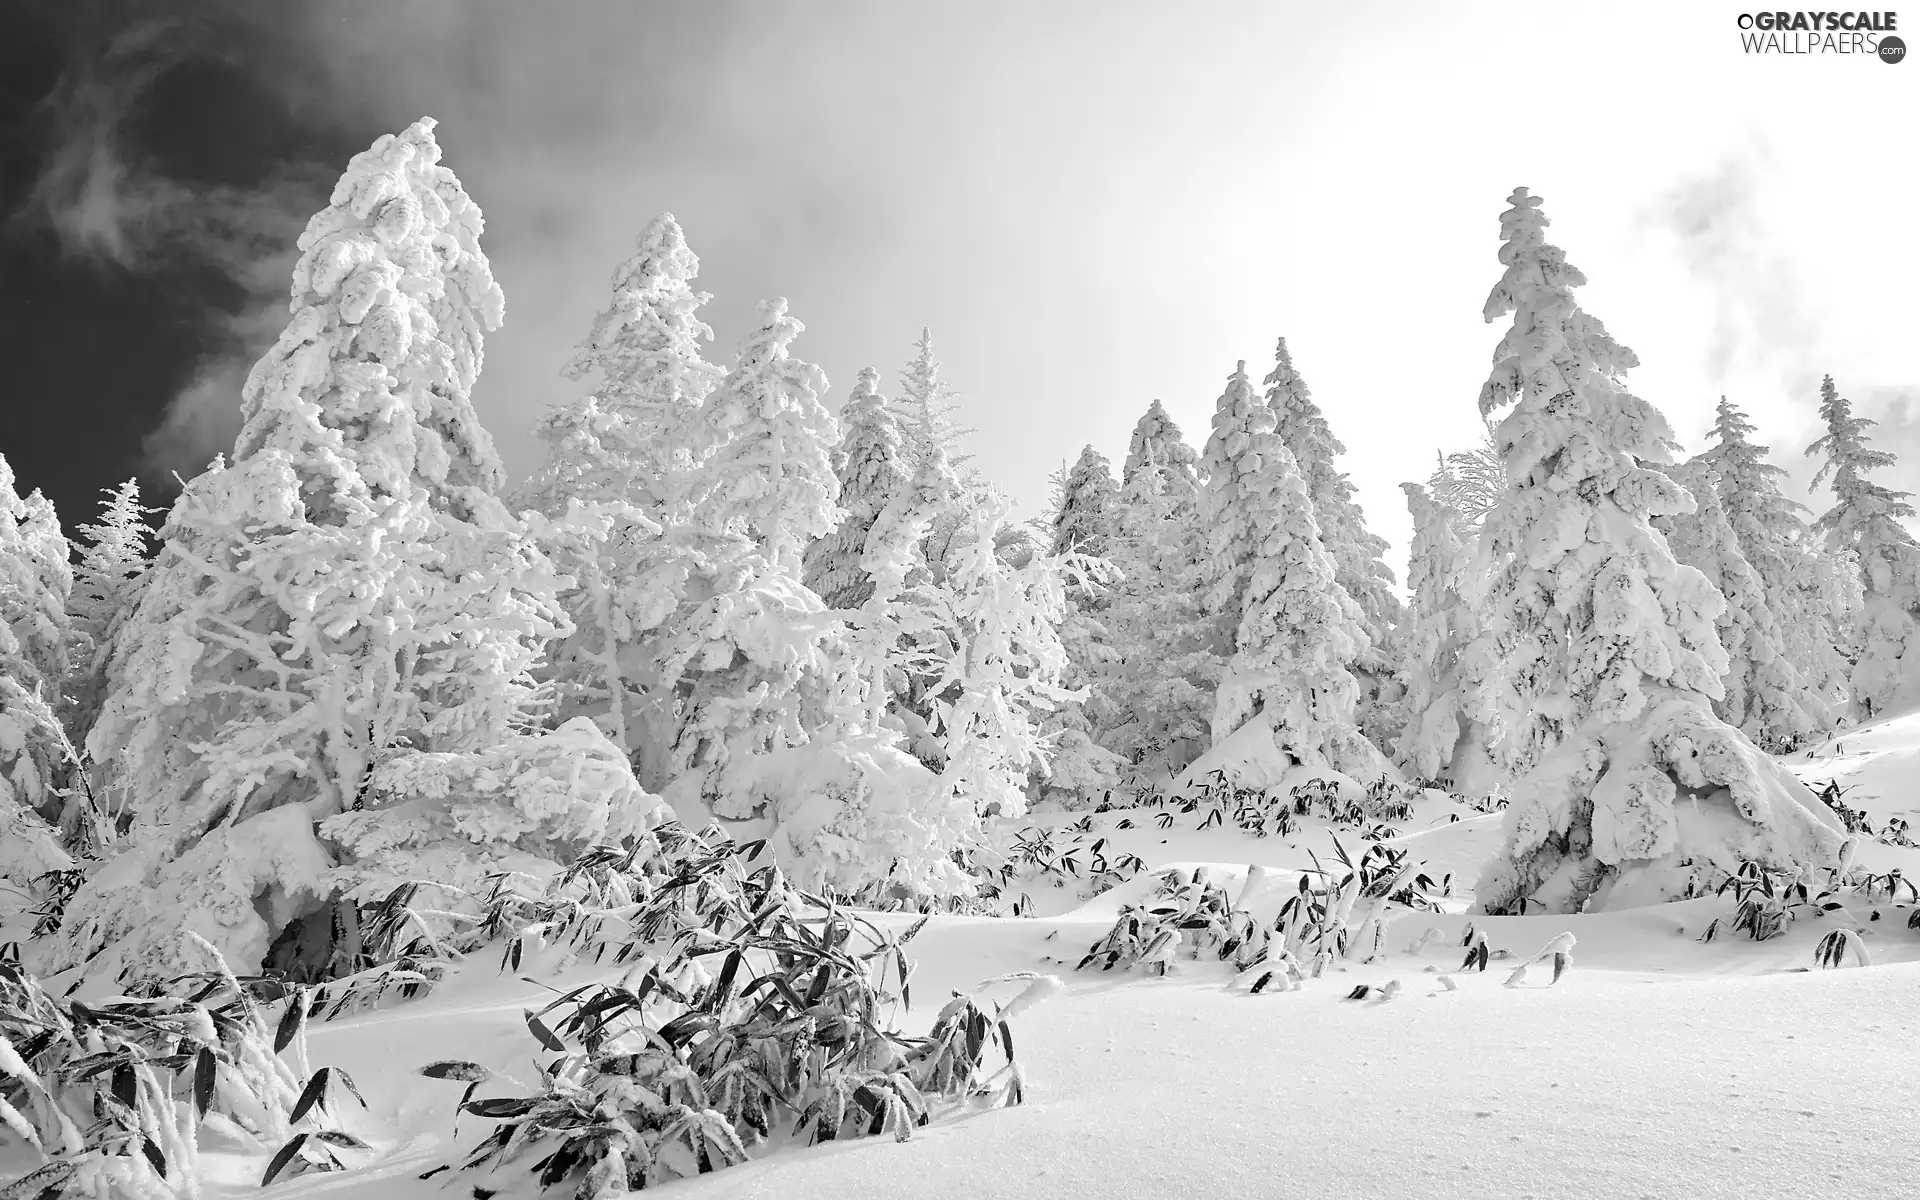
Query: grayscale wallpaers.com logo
point(1868, 34)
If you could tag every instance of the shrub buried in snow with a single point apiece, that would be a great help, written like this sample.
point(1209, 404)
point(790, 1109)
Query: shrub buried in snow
point(1337, 919)
point(681, 1066)
point(117, 1097)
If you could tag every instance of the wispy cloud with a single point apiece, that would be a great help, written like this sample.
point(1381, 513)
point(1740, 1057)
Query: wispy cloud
point(105, 199)
point(1759, 312)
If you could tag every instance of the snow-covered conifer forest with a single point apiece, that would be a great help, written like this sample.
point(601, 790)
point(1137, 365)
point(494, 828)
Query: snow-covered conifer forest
point(755, 774)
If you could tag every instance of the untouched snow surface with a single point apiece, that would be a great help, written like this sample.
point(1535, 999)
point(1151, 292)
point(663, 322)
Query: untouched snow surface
point(1657, 1066)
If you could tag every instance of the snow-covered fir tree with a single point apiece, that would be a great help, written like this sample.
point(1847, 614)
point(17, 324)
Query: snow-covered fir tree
point(35, 754)
point(773, 472)
point(1157, 441)
point(1764, 695)
point(758, 681)
point(1295, 632)
point(1083, 520)
point(872, 471)
point(1796, 569)
point(1443, 742)
point(1356, 552)
point(1002, 668)
point(113, 557)
point(1866, 520)
point(903, 647)
point(1079, 771)
point(329, 689)
point(1598, 661)
point(1358, 565)
point(929, 411)
point(637, 437)
point(1159, 681)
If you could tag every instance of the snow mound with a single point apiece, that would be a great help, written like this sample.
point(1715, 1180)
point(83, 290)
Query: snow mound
point(237, 887)
point(452, 818)
point(1641, 811)
point(1253, 757)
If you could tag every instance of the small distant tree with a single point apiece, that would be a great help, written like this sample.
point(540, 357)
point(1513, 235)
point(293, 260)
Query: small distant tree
point(1442, 741)
point(113, 553)
point(1764, 695)
point(872, 470)
point(637, 437)
point(1598, 661)
point(1157, 441)
point(1083, 521)
point(930, 412)
point(773, 474)
point(1866, 520)
point(1797, 571)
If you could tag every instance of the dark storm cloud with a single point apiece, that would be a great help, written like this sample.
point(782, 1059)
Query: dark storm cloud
point(166, 155)
point(191, 148)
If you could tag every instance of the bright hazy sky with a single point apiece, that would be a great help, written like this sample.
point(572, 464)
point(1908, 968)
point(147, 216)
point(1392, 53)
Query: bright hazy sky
point(1094, 205)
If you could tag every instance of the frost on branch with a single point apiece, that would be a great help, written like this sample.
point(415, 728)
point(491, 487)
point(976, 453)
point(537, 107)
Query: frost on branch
point(1598, 661)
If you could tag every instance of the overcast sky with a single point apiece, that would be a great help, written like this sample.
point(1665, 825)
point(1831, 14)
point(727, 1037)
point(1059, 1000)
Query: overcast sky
point(1092, 205)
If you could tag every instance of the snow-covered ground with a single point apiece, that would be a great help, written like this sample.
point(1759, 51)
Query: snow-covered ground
point(1657, 1066)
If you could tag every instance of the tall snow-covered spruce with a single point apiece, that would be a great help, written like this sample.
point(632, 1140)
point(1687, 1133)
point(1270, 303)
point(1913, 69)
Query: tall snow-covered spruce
point(1160, 679)
point(329, 690)
point(1295, 633)
point(1357, 563)
point(1081, 771)
point(1865, 520)
point(1599, 661)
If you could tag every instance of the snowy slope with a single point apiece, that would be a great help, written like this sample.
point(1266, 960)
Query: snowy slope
point(1657, 1066)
